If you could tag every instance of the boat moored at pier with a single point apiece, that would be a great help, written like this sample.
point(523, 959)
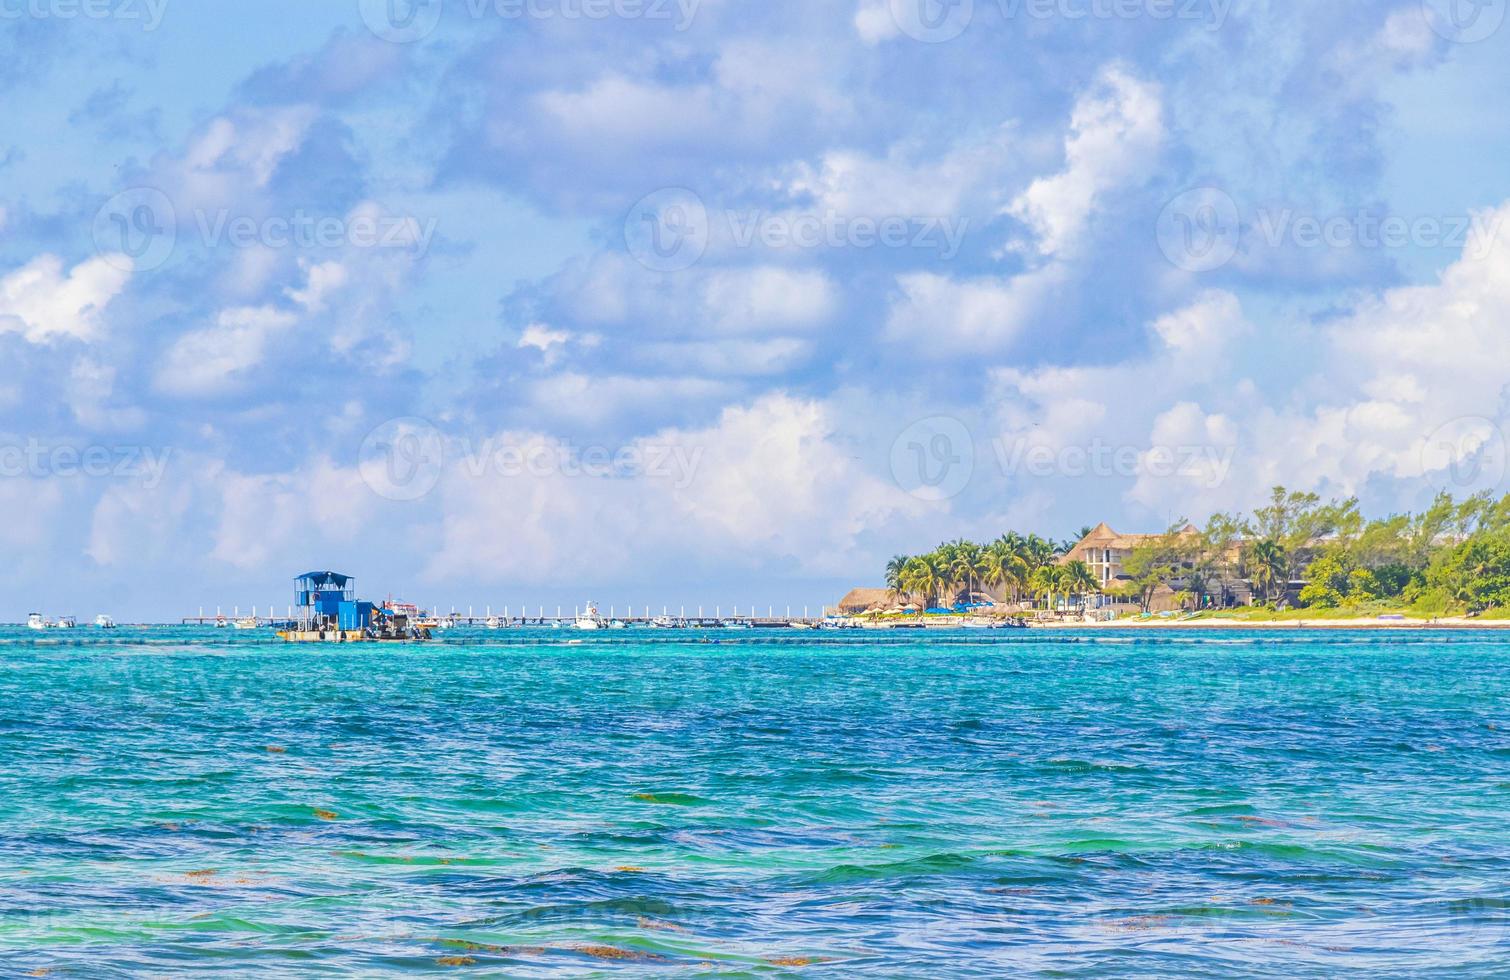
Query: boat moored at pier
point(330, 612)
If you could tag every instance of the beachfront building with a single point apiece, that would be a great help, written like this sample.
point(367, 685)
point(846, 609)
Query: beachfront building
point(860, 601)
point(1106, 552)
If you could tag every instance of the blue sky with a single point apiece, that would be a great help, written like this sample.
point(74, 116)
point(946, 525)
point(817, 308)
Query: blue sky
point(500, 302)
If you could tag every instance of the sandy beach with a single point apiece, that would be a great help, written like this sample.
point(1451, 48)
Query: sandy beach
point(1446, 622)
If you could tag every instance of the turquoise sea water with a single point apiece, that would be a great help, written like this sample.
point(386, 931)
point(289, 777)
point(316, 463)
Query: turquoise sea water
point(1207, 804)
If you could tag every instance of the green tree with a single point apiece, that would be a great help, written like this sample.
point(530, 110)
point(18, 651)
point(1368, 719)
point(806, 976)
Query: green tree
point(1078, 581)
point(1160, 561)
point(1268, 567)
point(1005, 568)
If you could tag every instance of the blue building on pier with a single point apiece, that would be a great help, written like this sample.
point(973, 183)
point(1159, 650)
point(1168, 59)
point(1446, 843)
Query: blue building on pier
point(327, 600)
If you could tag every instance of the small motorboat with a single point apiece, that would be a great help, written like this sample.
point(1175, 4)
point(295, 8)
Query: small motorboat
point(104, 622)
point(246, 623)
point(494, 623)
point(36, 622)
point(589, 620)
point(65, 623)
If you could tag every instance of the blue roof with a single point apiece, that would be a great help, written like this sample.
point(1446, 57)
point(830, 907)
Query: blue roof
point(325, 578)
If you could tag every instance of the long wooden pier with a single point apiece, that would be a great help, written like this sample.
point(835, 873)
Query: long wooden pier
point(561, 619)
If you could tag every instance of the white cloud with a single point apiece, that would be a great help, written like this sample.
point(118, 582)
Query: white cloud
point(41, 303)
point(1359, 406)
point(1115, 134)
point(322, 280)
point(581, 399)
point(767, 299)
point(905, 183)
point(206, 362)
point(939, 317)
point(234, 154)
point(768, 482)
point(874, 22)
point(726, 358)
point(283, 516)
point(91, 389)
point(761, 299)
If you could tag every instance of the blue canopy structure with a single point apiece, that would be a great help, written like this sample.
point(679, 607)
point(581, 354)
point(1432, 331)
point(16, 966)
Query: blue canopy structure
point(327, 596)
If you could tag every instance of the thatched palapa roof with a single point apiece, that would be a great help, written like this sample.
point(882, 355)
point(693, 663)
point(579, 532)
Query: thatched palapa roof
point(863, 600)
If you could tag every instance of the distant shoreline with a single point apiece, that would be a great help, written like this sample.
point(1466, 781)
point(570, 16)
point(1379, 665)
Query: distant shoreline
point(1445, 622)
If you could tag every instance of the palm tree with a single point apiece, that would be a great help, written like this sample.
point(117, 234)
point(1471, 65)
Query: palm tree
point(1004, 566)
point(1038, 552)
point(1044, 583)
point(968, 565)
point(1269, 566)
point(1077, 579)
point(924, 577)
point(894, 569)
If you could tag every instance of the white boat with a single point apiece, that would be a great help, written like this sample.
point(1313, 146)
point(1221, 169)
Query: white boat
point(65, 623)
point(36, 622)
point(104, 622)
point(736, 624)
point(246, 623)
point(221, 622)
point(663, 623)
point(589, 620)
point(494, 623)
point(803, 626)
point(618, 624)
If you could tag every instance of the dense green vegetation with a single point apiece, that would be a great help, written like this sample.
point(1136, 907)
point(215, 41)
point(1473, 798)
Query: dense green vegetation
point(1296, 552)
point(1013, 565)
